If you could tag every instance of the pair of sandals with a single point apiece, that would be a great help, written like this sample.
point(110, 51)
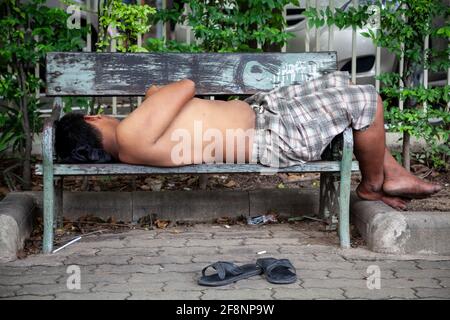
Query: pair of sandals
point(278, 271)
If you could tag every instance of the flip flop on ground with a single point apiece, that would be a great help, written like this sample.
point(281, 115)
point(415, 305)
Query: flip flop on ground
point(228, 272)
point(278, 271)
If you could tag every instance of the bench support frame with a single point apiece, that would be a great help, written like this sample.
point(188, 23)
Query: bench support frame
point(335, 189)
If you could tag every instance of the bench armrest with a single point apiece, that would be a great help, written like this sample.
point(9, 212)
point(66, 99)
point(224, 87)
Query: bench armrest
point(48, 134)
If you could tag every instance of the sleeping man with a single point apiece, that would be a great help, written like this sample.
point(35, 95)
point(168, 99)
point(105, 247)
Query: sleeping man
point(280, 128)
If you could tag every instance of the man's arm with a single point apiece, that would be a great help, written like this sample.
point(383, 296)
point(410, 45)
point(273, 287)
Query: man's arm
point(154, 115)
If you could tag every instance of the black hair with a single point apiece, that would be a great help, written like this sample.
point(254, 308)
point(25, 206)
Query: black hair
point(76, 141)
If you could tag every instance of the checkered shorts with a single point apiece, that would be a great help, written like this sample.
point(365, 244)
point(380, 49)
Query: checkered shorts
point(295, 123)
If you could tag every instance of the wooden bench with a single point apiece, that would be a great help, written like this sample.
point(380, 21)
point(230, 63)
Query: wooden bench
point(116, 74)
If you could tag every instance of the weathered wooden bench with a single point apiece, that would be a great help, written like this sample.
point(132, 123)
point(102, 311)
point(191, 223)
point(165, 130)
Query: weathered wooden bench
point(116, 74)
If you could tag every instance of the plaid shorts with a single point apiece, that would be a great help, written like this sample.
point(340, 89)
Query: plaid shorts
point(296, 123)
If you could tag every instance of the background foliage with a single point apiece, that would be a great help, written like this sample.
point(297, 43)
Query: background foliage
point(229, 25)
point(28, 31)
point(123, 23)
point(407, 22)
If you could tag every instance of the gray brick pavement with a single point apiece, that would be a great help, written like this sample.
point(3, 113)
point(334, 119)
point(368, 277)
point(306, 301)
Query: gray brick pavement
point(164, 264)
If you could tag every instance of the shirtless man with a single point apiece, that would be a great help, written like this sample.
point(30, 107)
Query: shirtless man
point(293, 124)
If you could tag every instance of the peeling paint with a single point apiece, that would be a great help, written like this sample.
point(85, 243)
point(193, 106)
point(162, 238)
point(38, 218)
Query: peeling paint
point(119, 74)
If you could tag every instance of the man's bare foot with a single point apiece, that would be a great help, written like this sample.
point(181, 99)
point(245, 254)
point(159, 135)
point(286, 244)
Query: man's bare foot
point(401, 183)
point(365, 193)
point(409, 186)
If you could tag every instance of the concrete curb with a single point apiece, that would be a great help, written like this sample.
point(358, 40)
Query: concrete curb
point(386, 230)
point(191, 206)
point(16, 223)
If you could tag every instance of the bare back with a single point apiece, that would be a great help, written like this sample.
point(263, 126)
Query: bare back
point(207, 121)
point(203, 131)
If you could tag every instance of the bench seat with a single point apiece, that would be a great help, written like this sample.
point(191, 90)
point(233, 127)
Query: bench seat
point(126, 169)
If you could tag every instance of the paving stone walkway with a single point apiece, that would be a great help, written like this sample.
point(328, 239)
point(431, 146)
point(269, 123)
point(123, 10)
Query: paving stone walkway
point(164, 264)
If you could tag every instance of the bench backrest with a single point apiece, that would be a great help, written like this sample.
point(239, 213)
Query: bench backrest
point(130, 74)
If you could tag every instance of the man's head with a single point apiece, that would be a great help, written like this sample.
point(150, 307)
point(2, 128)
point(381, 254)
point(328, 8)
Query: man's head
point(80, 138)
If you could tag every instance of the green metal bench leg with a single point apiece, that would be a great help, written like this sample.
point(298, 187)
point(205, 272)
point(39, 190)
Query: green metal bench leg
point(344, 191)
point(49, 189)
point(47, 170)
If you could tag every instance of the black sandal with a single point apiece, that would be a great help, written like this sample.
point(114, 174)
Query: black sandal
point(278, 271)
point(227, 273)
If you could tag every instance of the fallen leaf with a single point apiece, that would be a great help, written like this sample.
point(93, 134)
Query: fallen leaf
point(192, 180)
point(223, 220)
point(4, 190)
point(294, 177)
point(419, 168)
point(154, 184)
point(21, 254)
point(230, 184)
point(162, 224)
point(111, 220)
